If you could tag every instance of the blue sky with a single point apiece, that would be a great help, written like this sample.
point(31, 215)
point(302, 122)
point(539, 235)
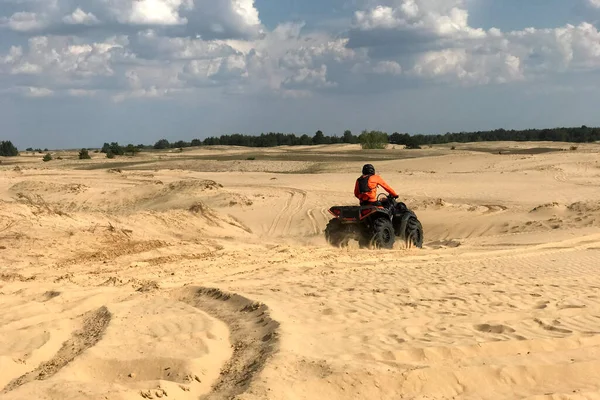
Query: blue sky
point(75, 73)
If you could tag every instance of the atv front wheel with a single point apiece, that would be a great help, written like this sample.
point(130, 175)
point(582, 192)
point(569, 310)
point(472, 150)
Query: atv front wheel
point(383, 234)
point(336, 234)
point(414, 233)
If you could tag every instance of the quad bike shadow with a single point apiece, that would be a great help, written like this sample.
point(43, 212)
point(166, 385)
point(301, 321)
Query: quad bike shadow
point(374, 226)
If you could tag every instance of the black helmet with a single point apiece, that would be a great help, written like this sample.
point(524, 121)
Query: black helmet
point(368, 169)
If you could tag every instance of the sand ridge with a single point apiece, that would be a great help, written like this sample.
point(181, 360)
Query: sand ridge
point(205, 274)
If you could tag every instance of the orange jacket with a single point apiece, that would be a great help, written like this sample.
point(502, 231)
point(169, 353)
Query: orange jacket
point(374, 182)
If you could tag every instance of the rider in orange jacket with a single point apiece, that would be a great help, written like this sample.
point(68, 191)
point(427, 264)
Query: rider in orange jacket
point(365, 188)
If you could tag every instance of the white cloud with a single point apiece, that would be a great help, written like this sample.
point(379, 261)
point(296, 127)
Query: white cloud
point(440, 18)
point(80, 17)
point(221, 45)
point(311, 77)
point(387, 67)
point(208, 18)
point(594, 3)
point(23, 21)
point(82, 92)
point(38, 92)
point(65, 63)
point(379, 68)
point(432, 39)
point(149, 44)
point(458, 64)
point(148, 12)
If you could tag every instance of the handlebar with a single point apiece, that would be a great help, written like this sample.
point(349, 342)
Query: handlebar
point(388, 197)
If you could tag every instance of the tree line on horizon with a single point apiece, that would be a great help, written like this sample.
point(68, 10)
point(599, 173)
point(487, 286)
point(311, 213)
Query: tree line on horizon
point(368, 140)
point(581, 134)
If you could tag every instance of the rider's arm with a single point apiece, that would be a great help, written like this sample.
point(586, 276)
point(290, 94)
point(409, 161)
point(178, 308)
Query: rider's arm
point(379, 180)
point(356, 190)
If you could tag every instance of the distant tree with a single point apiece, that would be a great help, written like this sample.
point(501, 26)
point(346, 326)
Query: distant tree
point(46, 149)
point(578, 135)
point(7, 149)
point(304, 140)
point(180, 143)
point(131, 149)
point(319, 138)
point(396, 138)
point(113, 147)
point(412, 146)
point(373, 140)
point(47, 157)
point(349, 137)
point(117, 149)
point(162, 144)
point(29, 149)
point(84, 154)
point(212, 141)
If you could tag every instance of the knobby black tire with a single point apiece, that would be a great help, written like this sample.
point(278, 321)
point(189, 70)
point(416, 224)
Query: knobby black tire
point(414, 233)
point(335, 233)
point(383, 234)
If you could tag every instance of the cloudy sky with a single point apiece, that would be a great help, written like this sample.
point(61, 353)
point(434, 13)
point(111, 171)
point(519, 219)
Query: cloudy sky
point(78, 73)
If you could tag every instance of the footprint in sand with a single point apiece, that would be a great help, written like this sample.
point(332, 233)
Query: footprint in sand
point(552, 328)
point(541, 305)
point(487, 328)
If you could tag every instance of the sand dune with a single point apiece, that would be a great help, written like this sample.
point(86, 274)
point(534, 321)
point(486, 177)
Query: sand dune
point(205, 274)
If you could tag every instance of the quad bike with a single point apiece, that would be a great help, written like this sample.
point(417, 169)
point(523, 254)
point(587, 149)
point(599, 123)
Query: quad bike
point(374, 226)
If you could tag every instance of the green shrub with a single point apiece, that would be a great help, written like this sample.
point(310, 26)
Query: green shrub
point(373, 140)
point(131, 149)
point(47, 157)
point(162, 144)
point(7, 149)
point(84, 154)
point(114, 147)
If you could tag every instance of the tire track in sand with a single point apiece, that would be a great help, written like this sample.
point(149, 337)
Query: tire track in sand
point(326, 215)
point(293, 206)
point(253, 334)
point(280, 214)
point(94, 326)
point(313, 222)
point(295, 193)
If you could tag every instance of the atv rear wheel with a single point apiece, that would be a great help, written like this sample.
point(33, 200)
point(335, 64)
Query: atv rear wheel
point(336, 233)
point(383, 234)
point(414, 233)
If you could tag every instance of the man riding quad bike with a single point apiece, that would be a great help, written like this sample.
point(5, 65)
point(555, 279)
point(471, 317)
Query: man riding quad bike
point(365, 188)
point(377, 221)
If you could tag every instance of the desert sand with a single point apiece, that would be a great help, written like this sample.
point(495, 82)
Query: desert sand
point(205, 274)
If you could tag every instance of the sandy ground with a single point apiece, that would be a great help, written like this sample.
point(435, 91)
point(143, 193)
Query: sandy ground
point(205, 274)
